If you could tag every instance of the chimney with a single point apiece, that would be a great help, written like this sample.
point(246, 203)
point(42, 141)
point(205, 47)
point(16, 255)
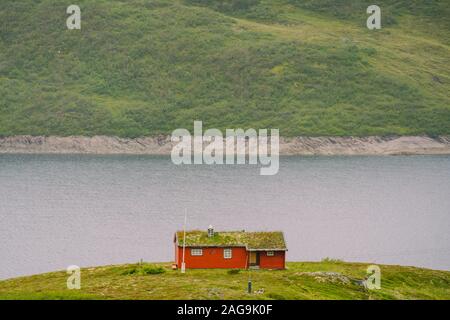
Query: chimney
point(210, 231)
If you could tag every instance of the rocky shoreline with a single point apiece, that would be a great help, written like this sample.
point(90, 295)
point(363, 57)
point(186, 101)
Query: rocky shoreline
point(161, 145)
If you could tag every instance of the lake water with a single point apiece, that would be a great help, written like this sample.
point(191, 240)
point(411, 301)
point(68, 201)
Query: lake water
point(61, 210)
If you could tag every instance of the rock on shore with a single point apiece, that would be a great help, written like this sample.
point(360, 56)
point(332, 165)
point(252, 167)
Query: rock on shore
point(161, 145)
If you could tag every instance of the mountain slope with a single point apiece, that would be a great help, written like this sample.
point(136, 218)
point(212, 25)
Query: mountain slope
point(145, 67)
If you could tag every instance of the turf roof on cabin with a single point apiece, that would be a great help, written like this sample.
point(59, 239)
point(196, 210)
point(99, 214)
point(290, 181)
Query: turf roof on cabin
point(251, 240)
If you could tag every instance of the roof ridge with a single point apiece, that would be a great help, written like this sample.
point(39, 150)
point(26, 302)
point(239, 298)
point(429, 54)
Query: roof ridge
point(243, 231)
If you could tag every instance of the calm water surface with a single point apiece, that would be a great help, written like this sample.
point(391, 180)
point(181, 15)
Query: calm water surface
point(61, 210)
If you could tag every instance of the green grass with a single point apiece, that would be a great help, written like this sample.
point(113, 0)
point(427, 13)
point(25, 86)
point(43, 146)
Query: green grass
point(252, 240)
point(297, 282)
point(146, 67)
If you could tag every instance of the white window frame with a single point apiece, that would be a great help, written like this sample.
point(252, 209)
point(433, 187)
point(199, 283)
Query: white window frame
point(270, 253)
point(196, 252)
point(227, 253)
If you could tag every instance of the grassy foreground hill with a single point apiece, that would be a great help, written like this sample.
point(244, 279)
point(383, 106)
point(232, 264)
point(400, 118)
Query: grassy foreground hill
point(328, 279)
point(146, 67)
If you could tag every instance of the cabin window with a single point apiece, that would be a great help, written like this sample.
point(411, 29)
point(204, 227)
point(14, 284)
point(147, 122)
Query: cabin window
point(270, 253)
point(227, 254)
point(196, 252)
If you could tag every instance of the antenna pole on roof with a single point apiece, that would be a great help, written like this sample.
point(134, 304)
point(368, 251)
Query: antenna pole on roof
point(183, 265)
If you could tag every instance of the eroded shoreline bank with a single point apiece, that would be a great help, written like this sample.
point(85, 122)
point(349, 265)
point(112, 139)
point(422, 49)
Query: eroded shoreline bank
point(162, 145)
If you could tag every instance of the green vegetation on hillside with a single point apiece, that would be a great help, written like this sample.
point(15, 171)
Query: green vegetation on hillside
point(328, 279)
point(147, 67)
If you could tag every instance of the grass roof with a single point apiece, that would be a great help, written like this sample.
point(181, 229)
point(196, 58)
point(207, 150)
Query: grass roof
point(251, 240)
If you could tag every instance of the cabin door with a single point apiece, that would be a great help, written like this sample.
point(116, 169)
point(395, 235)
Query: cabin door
point(254, 258)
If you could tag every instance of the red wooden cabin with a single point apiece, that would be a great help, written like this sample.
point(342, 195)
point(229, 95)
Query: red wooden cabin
point(230, 249)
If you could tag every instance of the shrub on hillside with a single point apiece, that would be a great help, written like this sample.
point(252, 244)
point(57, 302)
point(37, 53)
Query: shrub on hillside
point(233, 271)
point(226, 5)
point(144, 270)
